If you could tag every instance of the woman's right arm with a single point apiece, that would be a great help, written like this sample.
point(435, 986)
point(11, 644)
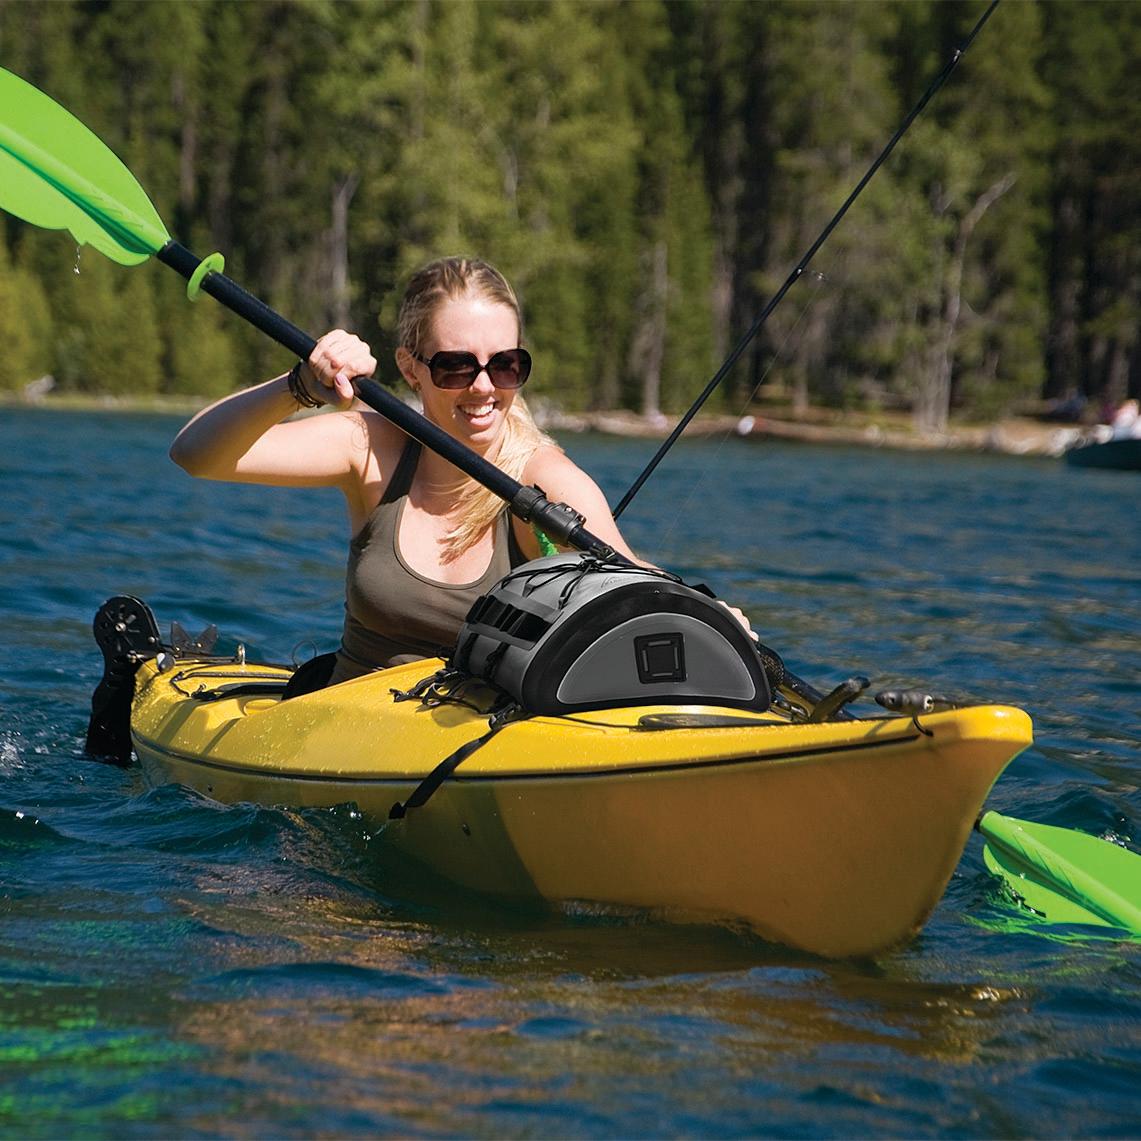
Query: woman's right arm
point(236, 438)
point(242, 437)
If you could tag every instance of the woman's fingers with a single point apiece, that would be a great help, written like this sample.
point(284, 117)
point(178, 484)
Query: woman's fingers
point(337, 358)
point(743, 619)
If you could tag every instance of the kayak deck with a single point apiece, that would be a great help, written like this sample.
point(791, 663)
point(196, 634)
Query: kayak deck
point(838, 837)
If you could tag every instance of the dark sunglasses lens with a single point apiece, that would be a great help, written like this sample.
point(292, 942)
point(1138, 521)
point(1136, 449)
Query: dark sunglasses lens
point(510, 368)
point(454, 370)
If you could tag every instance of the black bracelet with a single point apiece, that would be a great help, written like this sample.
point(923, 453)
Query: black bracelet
point(298, 390)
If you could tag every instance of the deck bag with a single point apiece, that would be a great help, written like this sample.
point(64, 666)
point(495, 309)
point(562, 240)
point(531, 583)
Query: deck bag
point(570, 632)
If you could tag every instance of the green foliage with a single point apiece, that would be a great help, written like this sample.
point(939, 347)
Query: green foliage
point(203, 356)
point(646, 173)
point(1095, 238)
point(25, 326)
point(107, 330)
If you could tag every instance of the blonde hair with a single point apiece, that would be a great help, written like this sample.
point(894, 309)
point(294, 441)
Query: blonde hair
point(449, 279)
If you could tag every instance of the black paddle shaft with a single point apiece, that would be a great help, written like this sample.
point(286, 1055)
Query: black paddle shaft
point(562, 523)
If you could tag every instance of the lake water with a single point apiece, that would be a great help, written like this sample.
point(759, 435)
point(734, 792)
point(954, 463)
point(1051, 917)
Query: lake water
point(173, 967)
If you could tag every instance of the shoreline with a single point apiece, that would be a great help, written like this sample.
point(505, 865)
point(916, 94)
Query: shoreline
point(1011, 435)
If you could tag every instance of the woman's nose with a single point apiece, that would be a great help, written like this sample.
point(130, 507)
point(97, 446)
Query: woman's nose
point(481, 382)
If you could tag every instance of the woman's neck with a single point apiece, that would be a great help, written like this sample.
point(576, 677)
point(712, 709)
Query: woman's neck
point(438, 485)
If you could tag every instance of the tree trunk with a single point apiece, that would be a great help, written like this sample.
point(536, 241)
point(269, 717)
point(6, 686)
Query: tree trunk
point(340, 293)
point(650, 340)
point(934, 407)
point(1067, 284)
point(188, 145)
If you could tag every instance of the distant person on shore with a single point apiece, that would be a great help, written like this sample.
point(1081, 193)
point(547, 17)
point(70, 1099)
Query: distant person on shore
point(426, 540)
point(1126, 422)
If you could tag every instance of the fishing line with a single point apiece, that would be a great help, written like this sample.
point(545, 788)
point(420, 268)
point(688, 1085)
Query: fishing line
point(801, 266)
point(681, 509)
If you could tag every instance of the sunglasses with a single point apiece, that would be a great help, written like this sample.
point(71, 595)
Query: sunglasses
point(507, 369)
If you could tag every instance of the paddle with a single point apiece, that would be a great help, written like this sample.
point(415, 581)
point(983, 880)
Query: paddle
point(1064, 875)
point(55, 173)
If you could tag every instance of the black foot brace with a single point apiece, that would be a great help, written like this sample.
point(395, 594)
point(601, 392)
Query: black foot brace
point(126, 631)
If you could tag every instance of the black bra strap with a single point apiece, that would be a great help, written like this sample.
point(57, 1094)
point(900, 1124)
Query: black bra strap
point(515, 555)
point(401, 481)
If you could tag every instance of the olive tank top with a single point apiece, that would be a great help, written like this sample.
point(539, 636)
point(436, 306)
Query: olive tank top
point(393, 614)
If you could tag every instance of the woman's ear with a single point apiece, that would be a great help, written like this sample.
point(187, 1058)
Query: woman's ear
point(406, 362)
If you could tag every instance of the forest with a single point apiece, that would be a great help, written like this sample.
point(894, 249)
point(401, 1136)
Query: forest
point(647, 173)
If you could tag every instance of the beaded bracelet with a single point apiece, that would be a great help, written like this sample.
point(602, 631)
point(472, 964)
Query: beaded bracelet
point(298, 390)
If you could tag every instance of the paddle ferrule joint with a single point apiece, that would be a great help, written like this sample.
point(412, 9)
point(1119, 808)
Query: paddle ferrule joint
point(558, 521)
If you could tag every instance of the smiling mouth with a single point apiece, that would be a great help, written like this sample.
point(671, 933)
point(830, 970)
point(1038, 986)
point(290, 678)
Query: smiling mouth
point(477, 411)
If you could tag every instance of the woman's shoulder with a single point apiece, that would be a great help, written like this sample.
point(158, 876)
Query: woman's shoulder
point(375, 447)
point(563, 481)
point(553, 470)
point(366, 432)
point(548, 459)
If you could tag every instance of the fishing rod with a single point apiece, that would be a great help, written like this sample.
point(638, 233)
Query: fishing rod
point(801, 266)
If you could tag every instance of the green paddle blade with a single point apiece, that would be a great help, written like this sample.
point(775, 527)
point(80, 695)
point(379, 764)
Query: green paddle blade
point(1065, 876)
point(55, 173)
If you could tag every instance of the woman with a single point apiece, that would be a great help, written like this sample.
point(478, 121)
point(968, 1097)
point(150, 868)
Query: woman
point(427, 540)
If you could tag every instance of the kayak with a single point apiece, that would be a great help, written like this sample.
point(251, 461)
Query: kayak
point(1122, 454)
point(837, 837)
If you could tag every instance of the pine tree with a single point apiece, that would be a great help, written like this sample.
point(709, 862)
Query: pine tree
point(979, 165)
point(204, 359)
point(834, 112)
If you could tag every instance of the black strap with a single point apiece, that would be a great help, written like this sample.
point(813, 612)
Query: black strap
point(401, 482)
point(424, 790)
point(515, 555)
point(311, 676)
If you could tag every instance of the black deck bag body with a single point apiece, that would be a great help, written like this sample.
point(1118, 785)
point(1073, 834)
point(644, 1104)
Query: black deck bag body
point(568, 633)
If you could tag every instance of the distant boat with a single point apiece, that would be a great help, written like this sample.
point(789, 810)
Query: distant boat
point(1122, 454)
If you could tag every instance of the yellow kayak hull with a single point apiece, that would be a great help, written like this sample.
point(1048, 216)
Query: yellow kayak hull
point(837, 838)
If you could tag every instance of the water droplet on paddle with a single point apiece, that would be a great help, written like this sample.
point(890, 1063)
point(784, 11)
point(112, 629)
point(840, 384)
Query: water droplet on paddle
point(75, 268)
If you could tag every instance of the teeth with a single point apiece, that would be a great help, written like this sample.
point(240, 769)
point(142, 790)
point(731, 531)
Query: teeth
point(479, 410)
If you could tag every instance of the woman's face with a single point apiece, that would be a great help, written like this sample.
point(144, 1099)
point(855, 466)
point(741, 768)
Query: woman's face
point(474, 415)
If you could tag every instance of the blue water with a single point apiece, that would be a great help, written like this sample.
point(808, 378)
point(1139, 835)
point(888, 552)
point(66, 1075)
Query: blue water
point(173, 967)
